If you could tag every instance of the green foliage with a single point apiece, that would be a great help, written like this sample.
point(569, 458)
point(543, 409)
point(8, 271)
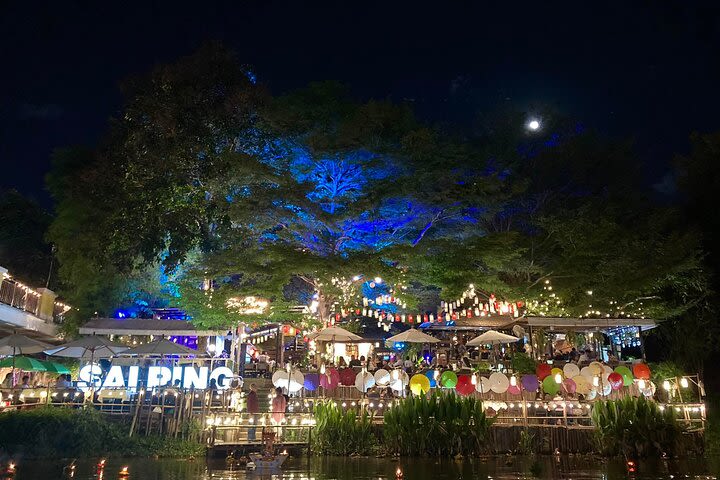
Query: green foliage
point(522, 363)
point(61, 432)
point(664, 370)
point(635, 428)
point(339, 432)
point(527, 444)
point(438, 425)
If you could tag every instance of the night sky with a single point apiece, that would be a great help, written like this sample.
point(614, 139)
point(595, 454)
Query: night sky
point(650, 72)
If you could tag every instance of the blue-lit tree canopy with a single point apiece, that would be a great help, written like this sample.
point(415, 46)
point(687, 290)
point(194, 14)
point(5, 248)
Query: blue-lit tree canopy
point(306, 198)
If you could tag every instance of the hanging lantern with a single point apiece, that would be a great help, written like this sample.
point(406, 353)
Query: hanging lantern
point(432, 318)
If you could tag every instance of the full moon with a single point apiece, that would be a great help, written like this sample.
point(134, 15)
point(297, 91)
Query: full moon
point(533, 125)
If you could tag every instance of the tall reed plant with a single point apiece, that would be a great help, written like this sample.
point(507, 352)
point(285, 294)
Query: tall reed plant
point(437, 425)
point(339, 432)
point(635, 428)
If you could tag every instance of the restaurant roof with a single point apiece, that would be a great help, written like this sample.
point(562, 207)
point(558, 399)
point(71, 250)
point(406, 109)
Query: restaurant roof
point(143, 326)
point(565, 323)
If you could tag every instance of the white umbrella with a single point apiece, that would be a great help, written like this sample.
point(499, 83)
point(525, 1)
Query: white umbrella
point(334, 334)
point(161, 347)
point(364, 381)
point(292, 381)
point(382, 377)
point(17, 344)
point(91, 347)
point(412, 336)
point(492, 337)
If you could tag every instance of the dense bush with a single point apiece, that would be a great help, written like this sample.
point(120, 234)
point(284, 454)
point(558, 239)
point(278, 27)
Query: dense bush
point(64, 432)
point(342, 433)
point(635, 427)
point(437, 425)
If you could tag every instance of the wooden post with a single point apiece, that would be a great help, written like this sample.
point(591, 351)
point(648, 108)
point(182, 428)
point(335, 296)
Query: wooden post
point(137, 411)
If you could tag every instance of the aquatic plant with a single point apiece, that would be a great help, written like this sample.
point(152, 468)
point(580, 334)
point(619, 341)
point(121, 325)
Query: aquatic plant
point(339, 432)
point(635, 428)
point(436, 425)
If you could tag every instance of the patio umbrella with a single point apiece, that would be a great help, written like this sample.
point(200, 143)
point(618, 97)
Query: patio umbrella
point(24, 363)
point(412, 335)
point(20, 344)
point(17, 344)
point(161, 347)
point(492, 337)
point(54, 367)
point(91, 347)
point(334, 334)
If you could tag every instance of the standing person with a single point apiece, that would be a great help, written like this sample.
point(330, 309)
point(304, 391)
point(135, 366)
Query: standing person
point(253, 408)
point(279, 404)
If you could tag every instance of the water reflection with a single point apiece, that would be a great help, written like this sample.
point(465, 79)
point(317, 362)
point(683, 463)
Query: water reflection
point(495, 468)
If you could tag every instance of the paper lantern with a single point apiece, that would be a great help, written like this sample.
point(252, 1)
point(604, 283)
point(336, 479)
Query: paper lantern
point(430, 374)
point(483, 385)
point(364, 381)
point(382, 377)
point(330, 380)
point(448, 379)
point(347, 377)
point(312, 380)
point(419, 384)
point(570, 370)
point(499, 383)
point(556, 371)
point(641, 371)
point(582, 385)
point(615, 380)
point(569, 385)
point(530, 383)
point(596, 368)
point(464, 385)
point(607, 369)
point(543, 370)
point(550, 386)
point(626, 374)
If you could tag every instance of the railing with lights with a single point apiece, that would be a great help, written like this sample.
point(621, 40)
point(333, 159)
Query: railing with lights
point(18, 295)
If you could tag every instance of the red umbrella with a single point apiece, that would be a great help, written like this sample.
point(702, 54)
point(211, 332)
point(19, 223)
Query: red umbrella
point(616, 380)
point(641, 371)
point(347, 377)
point(464, 385)
point(543, 370)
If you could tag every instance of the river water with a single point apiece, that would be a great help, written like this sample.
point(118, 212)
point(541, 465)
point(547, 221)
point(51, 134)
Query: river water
point(578, 467)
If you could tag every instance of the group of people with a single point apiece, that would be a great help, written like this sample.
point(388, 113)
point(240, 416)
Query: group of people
point(64, 380)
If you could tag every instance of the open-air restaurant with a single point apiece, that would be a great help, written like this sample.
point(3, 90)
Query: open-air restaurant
point(530, 371)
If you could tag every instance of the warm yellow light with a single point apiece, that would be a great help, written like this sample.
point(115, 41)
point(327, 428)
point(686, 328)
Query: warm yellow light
point(666, 385)
point(684, 382)
point(473, 379)
point(641, 384)
point(322, 369)
point(558, 378)
point(596, 382)
point(513, 381)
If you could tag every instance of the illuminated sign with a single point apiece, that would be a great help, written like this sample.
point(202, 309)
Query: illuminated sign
point(189, 377)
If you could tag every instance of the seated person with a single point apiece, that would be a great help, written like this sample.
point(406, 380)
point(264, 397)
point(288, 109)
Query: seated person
point(63, 381)
point(354, 362)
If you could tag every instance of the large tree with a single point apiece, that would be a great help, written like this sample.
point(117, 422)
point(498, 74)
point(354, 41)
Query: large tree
point(307, 197)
